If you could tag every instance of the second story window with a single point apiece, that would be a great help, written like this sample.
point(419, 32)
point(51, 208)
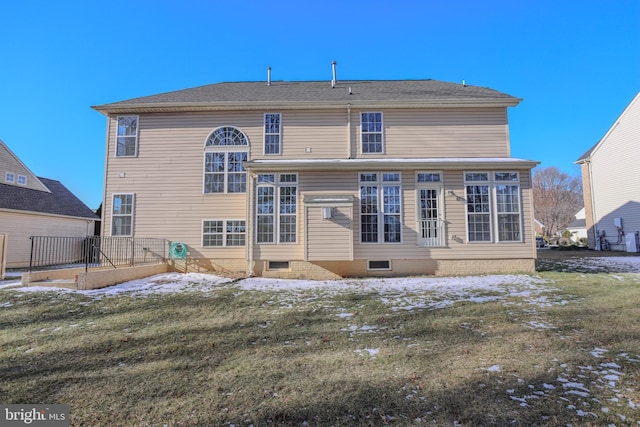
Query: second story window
point(371, 133)
point(127, 138)
point(272, 133)
point(225, 151)
point(10, 177)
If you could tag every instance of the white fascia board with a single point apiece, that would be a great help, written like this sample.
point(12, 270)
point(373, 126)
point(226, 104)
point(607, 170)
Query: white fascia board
point(229, 106)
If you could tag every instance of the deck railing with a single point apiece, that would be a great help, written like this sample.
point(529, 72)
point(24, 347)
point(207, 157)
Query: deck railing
point(431, 233)
point(95, 251)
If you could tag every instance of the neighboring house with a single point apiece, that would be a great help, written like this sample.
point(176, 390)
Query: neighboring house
point(611, 177)
point(539, 227)
point(578, 227)
point(33, 206)
point(323, 179)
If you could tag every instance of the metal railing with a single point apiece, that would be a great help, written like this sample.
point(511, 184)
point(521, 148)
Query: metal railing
point(95, 251)
point(431, 232)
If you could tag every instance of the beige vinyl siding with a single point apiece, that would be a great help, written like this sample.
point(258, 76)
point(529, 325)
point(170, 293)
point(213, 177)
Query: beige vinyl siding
point(20, 226)
point(312, 135)
point(456, 228)
point(167, 179)
point(10, 163)
point(329, 239)
point(615, 175)
point(168, 173)
point(440, 133)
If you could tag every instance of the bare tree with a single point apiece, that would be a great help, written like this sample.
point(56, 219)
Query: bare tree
point(556, 198)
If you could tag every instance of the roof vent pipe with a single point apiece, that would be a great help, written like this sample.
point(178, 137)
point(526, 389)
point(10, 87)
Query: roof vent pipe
point(333, 68)
point(268, 76)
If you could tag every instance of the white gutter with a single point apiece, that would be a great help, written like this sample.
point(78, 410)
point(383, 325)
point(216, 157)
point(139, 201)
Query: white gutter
point(165, 107)
point(250, 266)
point(393, 164)
point(596, 241)
point(105, 206)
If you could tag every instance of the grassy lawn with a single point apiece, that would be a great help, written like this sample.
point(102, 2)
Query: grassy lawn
point(554, 348)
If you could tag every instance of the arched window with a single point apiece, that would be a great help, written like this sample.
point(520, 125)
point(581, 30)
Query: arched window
point(224, 136)
point(226, 148)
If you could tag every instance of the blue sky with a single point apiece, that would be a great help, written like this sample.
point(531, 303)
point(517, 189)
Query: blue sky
point(576, 64)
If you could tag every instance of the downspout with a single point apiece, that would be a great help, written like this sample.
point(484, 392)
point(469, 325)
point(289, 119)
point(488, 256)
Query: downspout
point(105, 206)
point(349, 142)
point(596, 241)
point(249, 209)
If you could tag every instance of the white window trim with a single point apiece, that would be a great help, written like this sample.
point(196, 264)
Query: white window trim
point(276, 185)
point(495, 198)
point(492, 183)
point(22, 178)
point(382, 139)
point(439, 187)
point(224, 233)
point(381, 213)
point(264, 135)
point(132, 214)
point(10, 177)
point(136, 139)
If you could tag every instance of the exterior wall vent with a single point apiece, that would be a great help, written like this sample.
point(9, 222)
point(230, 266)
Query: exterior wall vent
point(327, 212)
point(379, 265)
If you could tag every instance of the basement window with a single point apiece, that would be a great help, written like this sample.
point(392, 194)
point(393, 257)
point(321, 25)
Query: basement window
point(379, 265)
point(278, 265)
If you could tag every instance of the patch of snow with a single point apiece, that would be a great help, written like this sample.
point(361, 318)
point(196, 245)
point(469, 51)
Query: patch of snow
point(598, 352)
point(369, 351)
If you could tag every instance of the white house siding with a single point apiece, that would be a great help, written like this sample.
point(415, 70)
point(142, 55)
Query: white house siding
point(20, 226)
point(615, 177)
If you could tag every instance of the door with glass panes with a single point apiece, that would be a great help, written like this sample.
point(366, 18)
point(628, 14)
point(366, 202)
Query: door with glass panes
point(430, 220)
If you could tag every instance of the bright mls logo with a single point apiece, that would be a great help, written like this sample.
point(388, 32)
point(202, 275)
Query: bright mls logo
point(34, 415)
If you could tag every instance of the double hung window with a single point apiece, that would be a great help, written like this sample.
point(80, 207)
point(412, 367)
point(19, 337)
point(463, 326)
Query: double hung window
point(493, 206)
point(127, 138)
point(272, 133)
point(277, 208)
point(371, 135)
point(380, 207)
point(122, 215)
point(225, 151)
point(223, 233)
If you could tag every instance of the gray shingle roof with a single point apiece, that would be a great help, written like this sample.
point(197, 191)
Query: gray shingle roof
point(318, 93)
point(587, 154)
point(60, 201)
